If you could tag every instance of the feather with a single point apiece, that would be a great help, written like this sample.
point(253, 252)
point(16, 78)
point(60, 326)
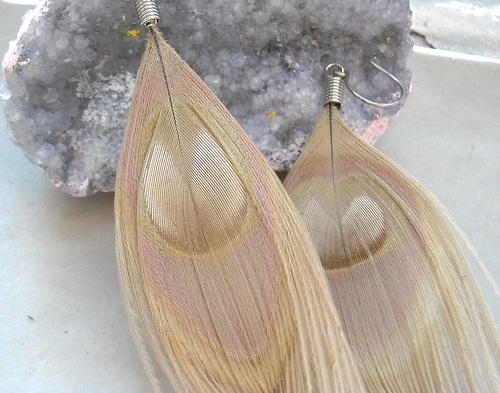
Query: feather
point(224, 288)
point(397, 270)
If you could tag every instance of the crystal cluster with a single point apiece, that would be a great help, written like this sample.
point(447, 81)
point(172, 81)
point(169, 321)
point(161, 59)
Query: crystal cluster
point(72, 70)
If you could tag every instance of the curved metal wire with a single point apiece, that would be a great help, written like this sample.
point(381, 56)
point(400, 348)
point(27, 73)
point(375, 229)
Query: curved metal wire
point(334, 89)
point(375, 103)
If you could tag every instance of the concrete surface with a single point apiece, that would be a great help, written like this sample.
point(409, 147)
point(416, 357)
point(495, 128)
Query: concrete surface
point(462, 26)
point(63, 326)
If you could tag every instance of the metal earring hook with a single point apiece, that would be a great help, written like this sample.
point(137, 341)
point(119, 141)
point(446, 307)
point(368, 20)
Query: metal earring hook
point(374, 103)
point(336, 75)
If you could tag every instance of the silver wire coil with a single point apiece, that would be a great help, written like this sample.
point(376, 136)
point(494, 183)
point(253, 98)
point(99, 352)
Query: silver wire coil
point(334, 86)
point(148, 11)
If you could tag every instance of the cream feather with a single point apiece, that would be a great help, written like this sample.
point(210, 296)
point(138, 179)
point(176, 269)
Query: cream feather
point(398, 271)
point(224, 288)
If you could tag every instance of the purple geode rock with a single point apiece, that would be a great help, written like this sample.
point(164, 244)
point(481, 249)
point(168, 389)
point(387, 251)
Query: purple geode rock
point(72, 70)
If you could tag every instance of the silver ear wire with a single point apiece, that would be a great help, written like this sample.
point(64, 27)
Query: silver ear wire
point(334, 89)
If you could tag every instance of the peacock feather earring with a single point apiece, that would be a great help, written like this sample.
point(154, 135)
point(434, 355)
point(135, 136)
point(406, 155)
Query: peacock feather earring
point(224, 289)
point(396, 264)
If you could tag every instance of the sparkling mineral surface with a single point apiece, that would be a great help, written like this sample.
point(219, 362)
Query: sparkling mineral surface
point(71, 72)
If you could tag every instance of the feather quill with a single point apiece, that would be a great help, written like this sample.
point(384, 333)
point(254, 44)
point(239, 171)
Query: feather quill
point(396, 267)
point(224, 288)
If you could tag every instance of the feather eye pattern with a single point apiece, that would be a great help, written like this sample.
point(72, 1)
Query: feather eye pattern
point(224, 288)
point(398, 272)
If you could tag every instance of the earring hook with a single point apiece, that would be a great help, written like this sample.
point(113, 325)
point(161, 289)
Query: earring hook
point(336, 75)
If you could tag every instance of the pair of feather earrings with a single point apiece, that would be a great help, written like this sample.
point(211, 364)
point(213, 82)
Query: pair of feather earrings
point(229, 289)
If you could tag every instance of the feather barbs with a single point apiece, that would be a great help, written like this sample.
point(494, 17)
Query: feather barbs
point(212, 254)
point(395, 268)
point(211, 212)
